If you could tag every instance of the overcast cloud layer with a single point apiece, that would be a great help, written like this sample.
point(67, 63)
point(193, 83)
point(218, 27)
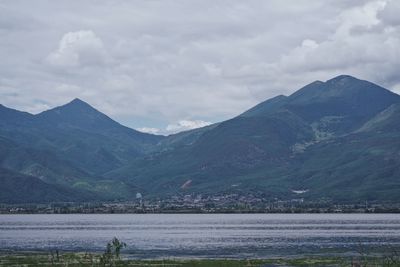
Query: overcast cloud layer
point(165, 66)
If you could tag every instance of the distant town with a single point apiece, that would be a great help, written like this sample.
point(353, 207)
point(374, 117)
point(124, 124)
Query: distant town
point(197, 203)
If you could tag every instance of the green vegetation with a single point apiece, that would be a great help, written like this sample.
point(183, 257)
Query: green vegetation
point(17, 187)
point(95, 260)
point(112, 258)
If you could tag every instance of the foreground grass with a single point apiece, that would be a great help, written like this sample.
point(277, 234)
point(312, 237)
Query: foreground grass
point(85, 259)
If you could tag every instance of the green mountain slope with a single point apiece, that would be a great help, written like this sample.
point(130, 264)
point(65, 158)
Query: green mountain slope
point(304, 141)
point(337, 139)
point(384, 122)
point(19, 188)
point(71, 145)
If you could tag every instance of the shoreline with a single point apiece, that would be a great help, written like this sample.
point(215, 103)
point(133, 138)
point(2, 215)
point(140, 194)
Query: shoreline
point(149, 255)
point(192, 213)
point(182, 207)
point(96, 259)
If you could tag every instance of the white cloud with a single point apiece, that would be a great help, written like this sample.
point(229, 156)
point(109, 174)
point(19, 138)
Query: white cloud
point(396, 88)
point(212, 69)
point(362, 45)
point(390, 14)
point(184, 125)
point(149, 130)
point(179, 126)
point(154, 62)
point(78, 48)
point(309, 44)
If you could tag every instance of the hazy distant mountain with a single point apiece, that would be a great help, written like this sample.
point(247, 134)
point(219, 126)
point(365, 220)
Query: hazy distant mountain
point(337, 139)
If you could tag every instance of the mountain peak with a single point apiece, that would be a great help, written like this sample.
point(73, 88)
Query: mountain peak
point(342, 79)
point(342, 86)
point(75, 106)
point(75, 111)
point(77, 102)
point(317, 82)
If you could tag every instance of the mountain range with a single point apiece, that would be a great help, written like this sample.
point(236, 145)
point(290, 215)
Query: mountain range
point(337, 140)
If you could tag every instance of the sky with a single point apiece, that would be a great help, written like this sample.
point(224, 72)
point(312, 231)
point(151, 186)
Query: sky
point(164, 66)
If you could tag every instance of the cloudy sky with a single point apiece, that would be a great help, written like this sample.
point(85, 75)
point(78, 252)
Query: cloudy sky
point(165, 66)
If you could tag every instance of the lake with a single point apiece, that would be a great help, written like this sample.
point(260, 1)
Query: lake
point(203, 235)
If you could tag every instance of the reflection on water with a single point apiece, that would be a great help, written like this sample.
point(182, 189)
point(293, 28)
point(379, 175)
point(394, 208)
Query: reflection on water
point(202, 235)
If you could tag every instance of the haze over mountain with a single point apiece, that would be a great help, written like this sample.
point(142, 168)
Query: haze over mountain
point(336, 140)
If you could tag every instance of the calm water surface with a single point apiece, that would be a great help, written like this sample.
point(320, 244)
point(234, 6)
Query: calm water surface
point(203, 235)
